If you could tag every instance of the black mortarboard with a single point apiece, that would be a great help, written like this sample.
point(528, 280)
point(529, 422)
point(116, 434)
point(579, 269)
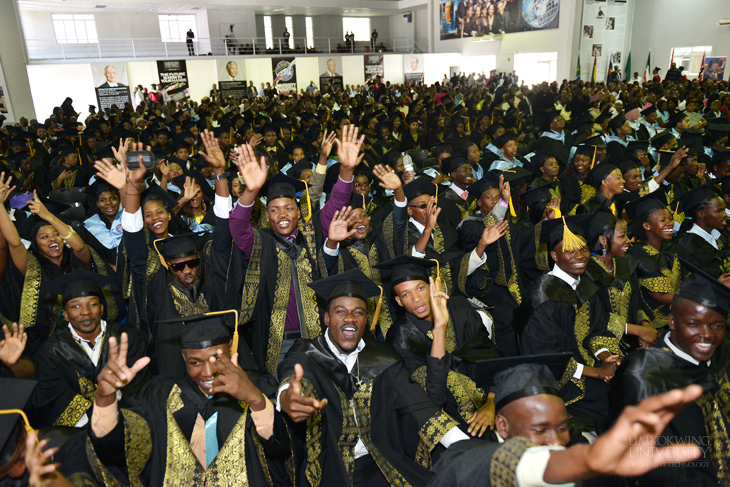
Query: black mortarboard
point(540, 194)
point(352, 283)
point(720, 128)
point(407, 268)
point(585, 150)
point(596, 140)
point(594, 225)
point(78, 284)
point(515, 174)
point(492, 129)
point(419, 187)
point(665, 157)
point(697, 196)
point(640, 208)
point(627, 163)
point(16, 394)
point(359, 201)
point(617, 122)
point(485, 371)
point(661, 138)
point(66, 150)
point(444, 148)
point(525, 380)
point(478, 188)
point(603, 117)
point(599, 173)
point(223, 129)
point(390, 157)
point(202, 331)
point(677, 118)
point(500, 141)
point(720, 154)
point(297, 169)
point(648, 111)
point(632, 106)
point(559, 229)
point(539, 159)
point(30, 226)
point(637, 145)
point(704, 289)
point(157, 193)
point(198, 177)
point(451, 164)
point(177, 247)
point(282, 186)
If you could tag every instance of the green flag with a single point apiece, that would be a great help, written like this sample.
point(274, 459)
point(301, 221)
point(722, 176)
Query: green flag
point(577, 70)
point(627, 72)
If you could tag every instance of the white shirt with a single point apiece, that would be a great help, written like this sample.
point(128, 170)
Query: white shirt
point(459, 191)
point(710, 238)
point(680, 353)
point(93, 352)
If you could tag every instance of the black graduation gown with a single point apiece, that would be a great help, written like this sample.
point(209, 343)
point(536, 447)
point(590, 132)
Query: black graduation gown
point(169, 408)
point(594, 204)
point(395, 419)
point(465, 206)
point(561, 150)
point(570, 190)
point(534, 259)
point(67, 377)
point(652, 371)
point(447, 381)
point(657, 272)
point(700, 253)
point(564, 320)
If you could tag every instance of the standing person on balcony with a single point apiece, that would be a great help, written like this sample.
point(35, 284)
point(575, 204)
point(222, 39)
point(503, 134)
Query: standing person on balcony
point(373, 39)
point(190, 36)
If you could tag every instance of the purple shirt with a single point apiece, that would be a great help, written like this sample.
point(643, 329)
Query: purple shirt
point(242, 232)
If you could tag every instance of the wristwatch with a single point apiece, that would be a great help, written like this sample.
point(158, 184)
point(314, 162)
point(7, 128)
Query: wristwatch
point(223, 175)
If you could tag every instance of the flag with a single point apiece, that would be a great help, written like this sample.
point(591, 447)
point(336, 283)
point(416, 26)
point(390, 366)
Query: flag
point(593, 76)
point(627, 71)
point(671, 61)
point(577, 70)
point(647, 74)
point(702, 69)
point(610, 68)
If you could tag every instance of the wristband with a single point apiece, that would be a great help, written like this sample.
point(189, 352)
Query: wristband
point(71, 233)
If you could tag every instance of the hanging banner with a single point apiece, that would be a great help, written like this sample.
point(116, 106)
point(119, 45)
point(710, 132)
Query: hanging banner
point(373, 67)
point(112, 85)
point(285, 74)
point(413, 68)
point(173, 79)
point(463, 18)
point(714, 68)
point(331, 69)
point(231, 78)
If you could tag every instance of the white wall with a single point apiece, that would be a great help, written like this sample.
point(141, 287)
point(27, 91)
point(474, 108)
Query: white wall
point(353, 70)
point(143, 73)
point(202, 75)
point(12, 58)
point(50, 84)
point(307, 70)
point(393, 68)
point(663, 24)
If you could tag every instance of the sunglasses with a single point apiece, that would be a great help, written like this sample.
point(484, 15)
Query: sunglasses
point(180, 266)
point(422, 206)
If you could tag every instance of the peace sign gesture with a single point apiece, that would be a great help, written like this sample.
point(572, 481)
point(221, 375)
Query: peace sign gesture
point(232, 380)
point(116, 374)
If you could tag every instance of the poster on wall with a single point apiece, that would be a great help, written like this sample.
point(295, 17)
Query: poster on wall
point(330, 68)
point(173, 79)
point(112, 85)
point(5, 109)
point(714, 68)
point(285, 74)
point(231, 78)
point(413, 68)
point(604, 36)
point(465, 18)
point(373, 67)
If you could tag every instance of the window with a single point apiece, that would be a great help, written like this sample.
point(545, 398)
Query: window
point(289, 23)
point(360, 26)
point(535, 67)
point(691, 58)
point(174, 28)
point(268, 33)
point(310, 32)
point(74, 28)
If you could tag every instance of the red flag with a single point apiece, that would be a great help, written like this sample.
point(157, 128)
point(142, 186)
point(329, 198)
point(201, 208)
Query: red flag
point(671, 61)
point(702, 69)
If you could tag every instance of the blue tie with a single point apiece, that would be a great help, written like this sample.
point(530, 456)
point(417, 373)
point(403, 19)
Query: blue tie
point(211, 440)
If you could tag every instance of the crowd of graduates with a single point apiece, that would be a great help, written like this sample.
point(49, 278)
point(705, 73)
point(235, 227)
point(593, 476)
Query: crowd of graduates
point(417, 284)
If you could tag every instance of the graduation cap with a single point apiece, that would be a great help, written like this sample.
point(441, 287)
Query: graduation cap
point(639, 209)
point(637, 145)
point(66, 150)
point(502, 140)
point(524, 380)
point(677, 118)
point(617, 121)
point(665, 157)
point(648, 111)
point(698, 196)
point(223, 129)
point(16, 395)
point(154, 192)
point(359, 201)
point(67, 196)
point(661, 138)
point(564, 229)
point(419, 187)
point(485, 183)
point(720, 154)
point(198, 178)
point(690, 138)
point(78, 284)
point(603, 117)
point(204, 330)
point(594, 225)
point(451, 164)
point(632, 106)
point(352, 283)
point(390, 157)
point(539, 194)
point(704, 289)
point(627, 163)
point(511, 380)
point(539, 159)
point(282, 186)
point(177, 247)
point(599, 173)
point(444, 149)
point(492, 129)
point(297, 169)
point(595, 141)
point(407, 268)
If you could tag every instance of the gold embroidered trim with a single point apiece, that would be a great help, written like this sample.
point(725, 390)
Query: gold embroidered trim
point(31, 291)
point(74, 411)
point(430, 434)
point(503, 466)
point(468, 396)
point(541, 252)
point(715, 409)
point(570, 370)
point(184, 306)
point(252, 281)
point(582, 329)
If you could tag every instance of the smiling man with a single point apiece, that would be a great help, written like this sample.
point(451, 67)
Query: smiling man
point(365, 419)
point(693, 351)
point(69, 362)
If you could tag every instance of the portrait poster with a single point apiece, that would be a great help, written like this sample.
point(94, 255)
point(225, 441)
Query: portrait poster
point(413, 68)
point(714, 68)
point(112, 84)
point(330, 68)
point(174, 79)
point(231, 78)
point(373, 67)
point(285, 74)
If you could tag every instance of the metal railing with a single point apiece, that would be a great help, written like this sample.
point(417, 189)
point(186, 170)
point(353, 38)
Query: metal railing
point(50, 49)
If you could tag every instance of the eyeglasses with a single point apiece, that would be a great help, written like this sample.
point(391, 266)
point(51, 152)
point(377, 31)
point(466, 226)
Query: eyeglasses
point(422, 206)
point(180, 266)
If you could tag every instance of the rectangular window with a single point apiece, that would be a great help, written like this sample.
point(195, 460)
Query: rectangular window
point(290, 28)
point(174, 28)
point(74, 28)
point(310, 32)
point(360, 26)
point(268, 32)
point(691, 58)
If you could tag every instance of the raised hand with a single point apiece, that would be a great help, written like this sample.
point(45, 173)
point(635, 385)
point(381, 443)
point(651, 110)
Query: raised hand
point(232, 380)
point(505, 192)
point(41, 473)
point(328, 141)
point(213, 153)
point(492, 233)
point(5, 188)
point(678, 156)
point(299, 407)
point(256, 140)
point(189, 190)
point(439, 306)
point(12, 346)
point(388, 178)
point(120, 154)
point(107, 171)
point(164, 167)
point(254, 173)
point(116, 374)
point(553, 208)
point(349, 147)
point(341, 221)
point(432, 214)
point(37, 208)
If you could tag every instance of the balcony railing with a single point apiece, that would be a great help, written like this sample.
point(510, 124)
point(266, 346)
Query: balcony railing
point(50, 49)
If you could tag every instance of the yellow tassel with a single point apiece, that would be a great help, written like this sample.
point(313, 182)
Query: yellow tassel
point(613, 209)
point(512, 211)
point(28, 428)
point(676, 211)
point(30, 147)
point(571, 241)
point(78, 153)
point(593, 161)
point(162, 260)
point(309, 205)
point(364, 208)
point(376, 315)
point(438, 271)
point(556, 210)
point(436, 197)
point(234, 340)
